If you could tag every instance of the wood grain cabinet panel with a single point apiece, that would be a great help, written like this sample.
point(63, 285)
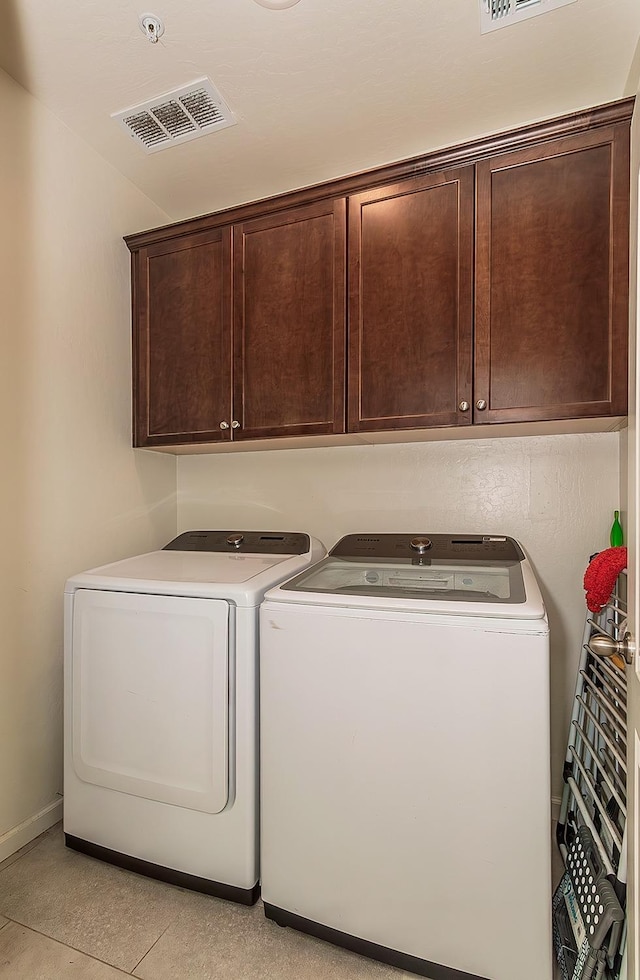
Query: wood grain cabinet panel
point(552, 280)
point(289, 322)
point(410, 303)
point(182, 340)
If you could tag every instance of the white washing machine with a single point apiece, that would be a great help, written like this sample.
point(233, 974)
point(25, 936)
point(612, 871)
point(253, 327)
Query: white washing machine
point(405, 788)
point(161, 727)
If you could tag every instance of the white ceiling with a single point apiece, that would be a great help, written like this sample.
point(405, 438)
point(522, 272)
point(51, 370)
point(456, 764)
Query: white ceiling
point(320, 90)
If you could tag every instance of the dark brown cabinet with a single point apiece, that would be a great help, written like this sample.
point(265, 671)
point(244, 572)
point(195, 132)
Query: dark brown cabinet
point(487, 283)
point(289, 322)
point(411, 303)
point(551, 280)
point(243, 340)
point(182, 340)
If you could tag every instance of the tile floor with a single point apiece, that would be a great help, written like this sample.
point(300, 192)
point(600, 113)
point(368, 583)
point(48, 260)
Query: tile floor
point(65, 916)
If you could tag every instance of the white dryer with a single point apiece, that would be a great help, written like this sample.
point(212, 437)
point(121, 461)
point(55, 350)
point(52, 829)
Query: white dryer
point(405, 755)
point(161, 727)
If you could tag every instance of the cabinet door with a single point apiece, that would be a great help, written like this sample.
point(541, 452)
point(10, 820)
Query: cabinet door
point(289, 322)
point(552, 280)
point(182, 339)
point(410, 303)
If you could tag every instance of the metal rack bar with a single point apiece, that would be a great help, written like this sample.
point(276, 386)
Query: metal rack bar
point(619, 680)
point(588, 822)
point(616, 715)
point(606, 763)
point(605, 777)
point(591, 786)
point(613, 746)
point(599, 676)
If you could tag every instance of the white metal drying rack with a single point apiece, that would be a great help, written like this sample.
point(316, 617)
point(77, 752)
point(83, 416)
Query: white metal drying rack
point(595, 775)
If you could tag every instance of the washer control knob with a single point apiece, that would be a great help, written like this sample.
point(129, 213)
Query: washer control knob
point(235, 539)
point(420, 545)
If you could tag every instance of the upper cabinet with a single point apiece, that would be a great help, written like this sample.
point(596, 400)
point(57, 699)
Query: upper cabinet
point(487, 283)
point(244, 340)
point(289, 322)
point(181, 338)
point(551, 280)
point(411, 303)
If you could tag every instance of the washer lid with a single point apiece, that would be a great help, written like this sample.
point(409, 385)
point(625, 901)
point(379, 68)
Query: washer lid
point(478, 582)
point(189, 566)
point(478, 575)
point(239, 577)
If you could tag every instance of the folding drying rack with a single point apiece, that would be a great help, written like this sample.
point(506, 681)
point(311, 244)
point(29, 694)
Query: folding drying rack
point(589, 935)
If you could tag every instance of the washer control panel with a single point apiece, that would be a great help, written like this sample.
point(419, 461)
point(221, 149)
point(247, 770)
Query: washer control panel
point(463, 547)
point(245, 542)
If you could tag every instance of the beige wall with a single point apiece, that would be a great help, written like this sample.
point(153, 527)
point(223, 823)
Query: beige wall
point(72, 492)
point(556, 494)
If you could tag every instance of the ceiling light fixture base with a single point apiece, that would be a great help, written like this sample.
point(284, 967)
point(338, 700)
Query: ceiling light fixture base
point(277, 4)
point(151, 26)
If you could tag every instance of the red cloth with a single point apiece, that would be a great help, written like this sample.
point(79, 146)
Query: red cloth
point(601, 574)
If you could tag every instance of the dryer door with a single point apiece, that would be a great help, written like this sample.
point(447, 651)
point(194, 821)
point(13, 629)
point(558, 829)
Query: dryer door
point(150, 696)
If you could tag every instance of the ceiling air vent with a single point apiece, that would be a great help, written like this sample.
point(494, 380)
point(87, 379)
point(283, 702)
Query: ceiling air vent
point(501, 13)
point(176, 117)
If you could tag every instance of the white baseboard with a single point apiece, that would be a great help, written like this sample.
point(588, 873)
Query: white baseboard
point(25, 832)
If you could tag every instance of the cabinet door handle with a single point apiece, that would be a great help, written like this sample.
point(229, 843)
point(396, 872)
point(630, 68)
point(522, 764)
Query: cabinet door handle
point(235, 424)
point(464, 406)
point(224, 425)
point(481, 404)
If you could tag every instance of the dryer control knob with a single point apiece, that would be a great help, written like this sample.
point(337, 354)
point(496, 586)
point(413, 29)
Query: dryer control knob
point(420, 545)
point(235, 539)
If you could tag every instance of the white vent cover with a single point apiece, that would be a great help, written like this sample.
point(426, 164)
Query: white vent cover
point(501, 13)
point(176, 117)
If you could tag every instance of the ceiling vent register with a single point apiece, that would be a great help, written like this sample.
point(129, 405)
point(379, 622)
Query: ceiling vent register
point(176, 117)
point(501, 13)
